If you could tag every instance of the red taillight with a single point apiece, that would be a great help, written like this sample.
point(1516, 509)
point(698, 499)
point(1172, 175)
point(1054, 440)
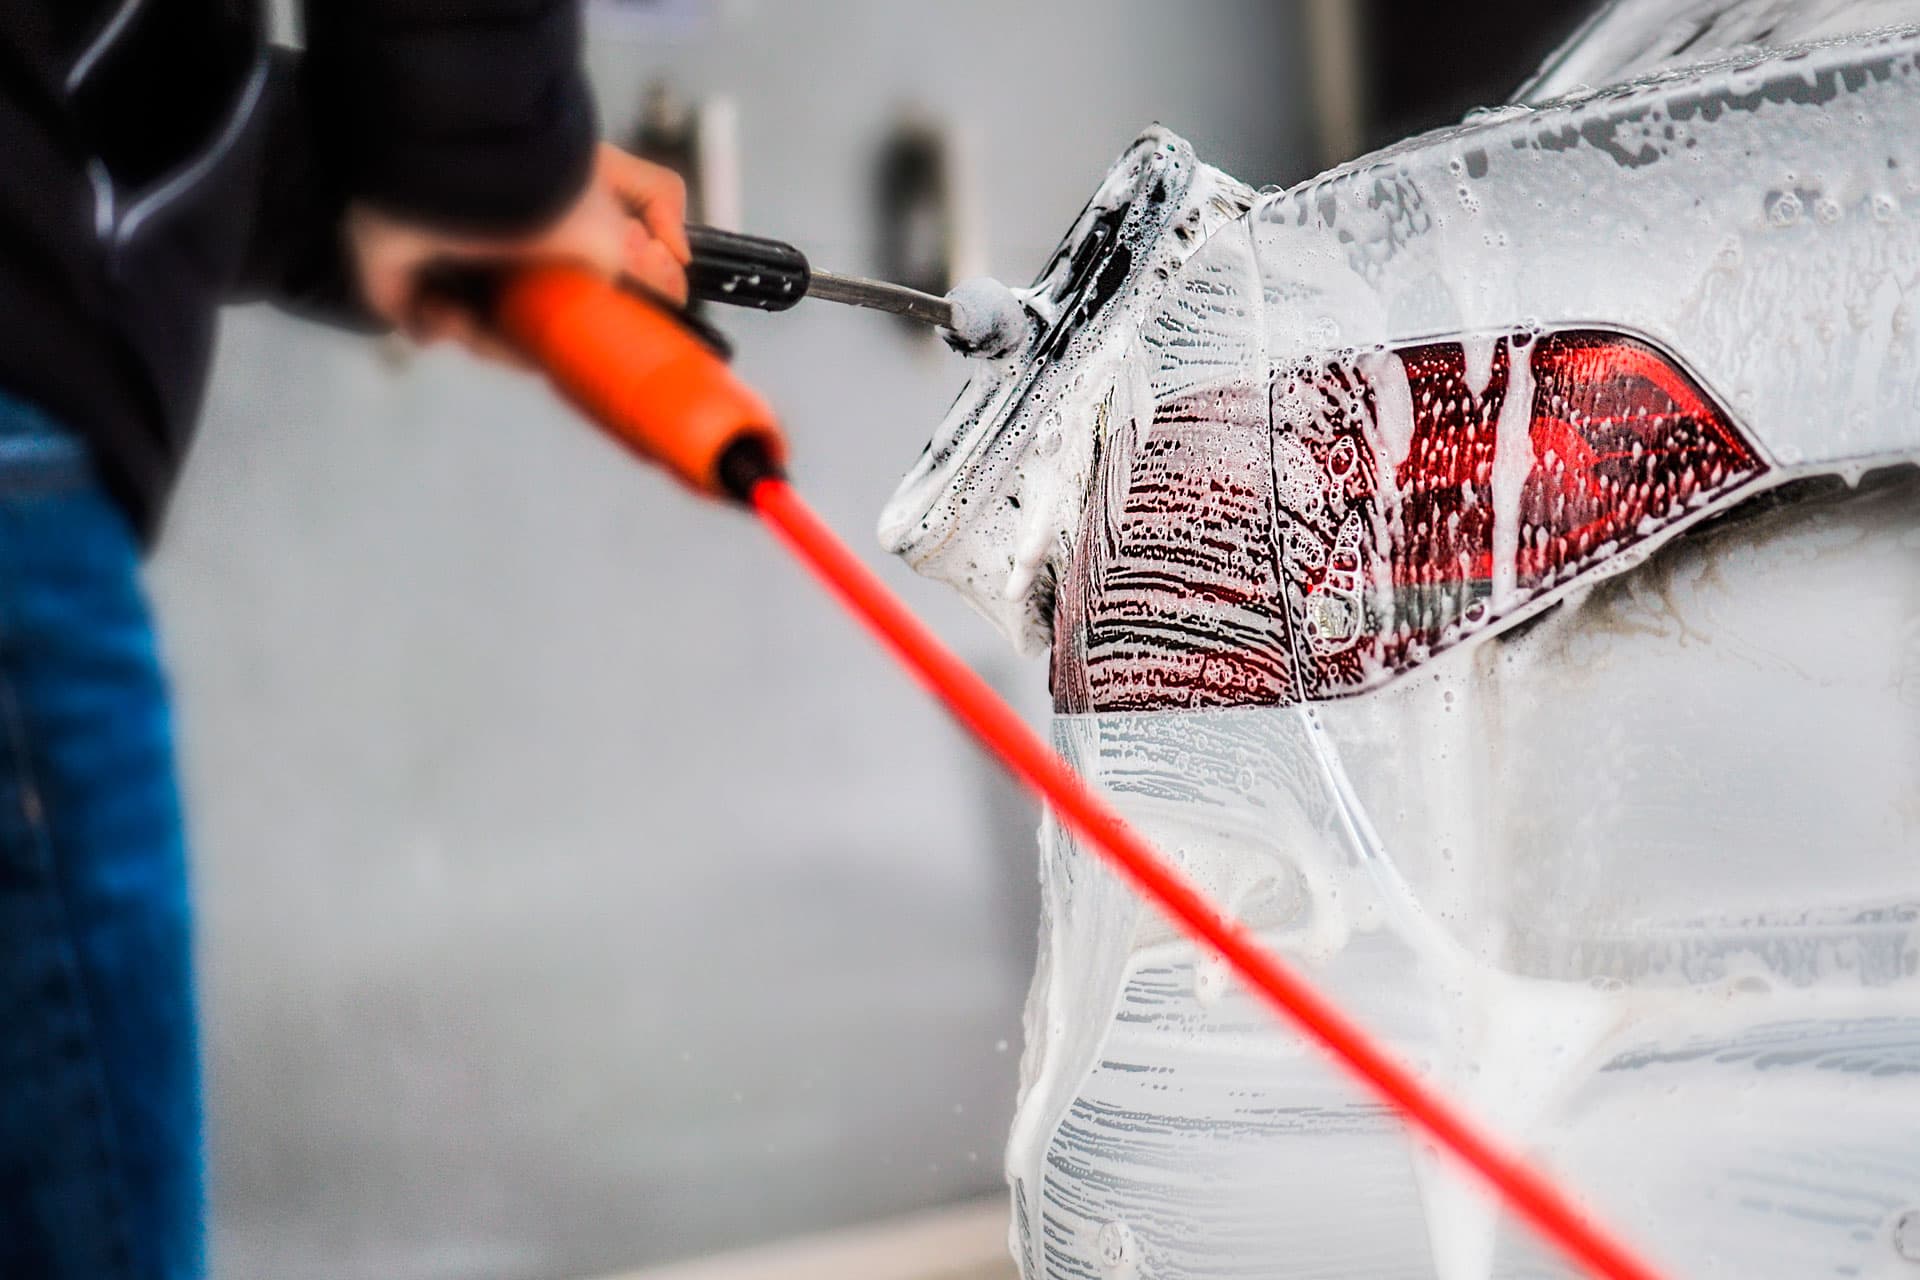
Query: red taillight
point(1622, 436)
point(1395, 518)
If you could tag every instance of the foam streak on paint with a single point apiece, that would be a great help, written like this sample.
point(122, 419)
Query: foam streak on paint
point(1512, 460)
point(1508, 1045)
point(1479, 349)
point(1387, 375)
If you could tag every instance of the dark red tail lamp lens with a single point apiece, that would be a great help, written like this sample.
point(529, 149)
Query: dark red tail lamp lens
point(1343, 568)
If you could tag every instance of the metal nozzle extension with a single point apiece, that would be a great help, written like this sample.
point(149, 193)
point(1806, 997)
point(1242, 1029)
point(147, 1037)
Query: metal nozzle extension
point(879, 296)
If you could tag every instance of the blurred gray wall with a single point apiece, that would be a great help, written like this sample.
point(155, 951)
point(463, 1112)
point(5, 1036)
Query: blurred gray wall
point(578, 889)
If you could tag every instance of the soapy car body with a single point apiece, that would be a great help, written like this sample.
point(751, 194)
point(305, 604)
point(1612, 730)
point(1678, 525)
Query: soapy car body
point(1493, 568)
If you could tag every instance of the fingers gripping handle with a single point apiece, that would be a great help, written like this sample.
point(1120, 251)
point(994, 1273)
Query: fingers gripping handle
point(641, 375)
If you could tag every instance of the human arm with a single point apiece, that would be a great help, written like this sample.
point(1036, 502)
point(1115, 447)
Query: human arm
point(418, 132)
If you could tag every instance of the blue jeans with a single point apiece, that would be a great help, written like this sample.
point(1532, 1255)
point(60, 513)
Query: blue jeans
point(100, 1131)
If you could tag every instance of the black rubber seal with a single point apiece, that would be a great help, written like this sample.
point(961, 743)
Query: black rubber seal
point(743, 465)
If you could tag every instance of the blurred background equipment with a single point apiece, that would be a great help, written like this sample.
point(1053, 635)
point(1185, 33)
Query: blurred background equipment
point(701, 143)
point(1382, 70)
point(1426, 65)
point(925, 205)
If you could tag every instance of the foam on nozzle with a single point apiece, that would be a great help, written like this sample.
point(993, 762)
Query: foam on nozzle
point(988, 320)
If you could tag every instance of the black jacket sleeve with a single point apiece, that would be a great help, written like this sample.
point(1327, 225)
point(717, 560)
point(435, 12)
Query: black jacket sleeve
point(471, 115)
point(294, 254)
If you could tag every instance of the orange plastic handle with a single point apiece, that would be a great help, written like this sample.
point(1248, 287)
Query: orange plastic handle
point(636, 371)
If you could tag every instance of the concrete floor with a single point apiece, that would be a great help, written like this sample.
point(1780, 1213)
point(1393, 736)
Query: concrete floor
point(963, 1242)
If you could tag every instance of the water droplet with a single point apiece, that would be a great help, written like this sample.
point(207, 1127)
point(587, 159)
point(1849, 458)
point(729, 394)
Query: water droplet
point(1118, 1251)
point(1906, 1235)
point(1785, 209)
point(1209, 980)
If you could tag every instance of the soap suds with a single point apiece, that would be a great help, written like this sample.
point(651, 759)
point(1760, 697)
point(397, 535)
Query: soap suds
point(1479, 349)
point(1512, 461)
point(1386, 373)
point(991, 505)
point(1539, 867)
point(989, 322)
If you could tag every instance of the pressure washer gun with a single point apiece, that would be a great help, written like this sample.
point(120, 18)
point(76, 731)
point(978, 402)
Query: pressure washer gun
point(660, 386)
point(657, 379)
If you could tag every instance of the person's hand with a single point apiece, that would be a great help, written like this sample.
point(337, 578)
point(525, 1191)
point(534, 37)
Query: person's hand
point(629, 221)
